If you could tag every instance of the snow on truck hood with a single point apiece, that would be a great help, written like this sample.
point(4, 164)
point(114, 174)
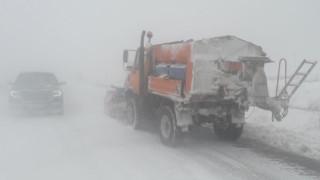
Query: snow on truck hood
point(228, 48)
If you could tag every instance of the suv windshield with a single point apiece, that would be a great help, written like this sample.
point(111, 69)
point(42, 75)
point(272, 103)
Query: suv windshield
point(36, 80)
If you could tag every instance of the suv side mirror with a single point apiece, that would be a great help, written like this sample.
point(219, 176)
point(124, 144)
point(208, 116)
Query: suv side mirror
point(125, 56)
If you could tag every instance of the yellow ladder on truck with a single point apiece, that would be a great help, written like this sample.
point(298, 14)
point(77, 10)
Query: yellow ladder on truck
point(296, 84)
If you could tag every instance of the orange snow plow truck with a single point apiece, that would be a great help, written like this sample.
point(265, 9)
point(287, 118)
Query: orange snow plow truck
point(184, 84)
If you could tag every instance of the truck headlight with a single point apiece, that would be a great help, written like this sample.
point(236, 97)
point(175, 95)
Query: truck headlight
point(57, 93)
point(14, 94)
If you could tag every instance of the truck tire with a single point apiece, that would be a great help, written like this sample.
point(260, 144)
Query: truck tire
point(170, 133)
point(231, 132)
point(133, 113)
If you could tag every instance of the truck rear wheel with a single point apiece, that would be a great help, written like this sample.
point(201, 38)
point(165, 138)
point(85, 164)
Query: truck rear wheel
point(231, 132)
point(170, 133)
point(133, 113)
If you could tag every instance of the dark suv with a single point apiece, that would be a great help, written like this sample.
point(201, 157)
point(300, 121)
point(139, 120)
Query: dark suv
point(36, 92)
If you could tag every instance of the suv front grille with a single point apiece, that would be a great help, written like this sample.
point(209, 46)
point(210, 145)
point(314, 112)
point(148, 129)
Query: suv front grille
point(36, 95)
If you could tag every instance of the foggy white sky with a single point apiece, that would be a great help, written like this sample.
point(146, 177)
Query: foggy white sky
point(70, 37)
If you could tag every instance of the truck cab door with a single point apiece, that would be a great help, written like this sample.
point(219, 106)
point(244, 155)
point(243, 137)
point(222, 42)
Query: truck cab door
point(134, 75)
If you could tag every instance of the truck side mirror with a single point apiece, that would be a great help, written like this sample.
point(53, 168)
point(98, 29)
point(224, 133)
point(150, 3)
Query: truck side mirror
point(125, 56)
point(129, 68)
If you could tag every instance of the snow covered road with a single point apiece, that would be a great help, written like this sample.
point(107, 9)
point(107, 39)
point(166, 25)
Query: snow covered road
point(86, 144)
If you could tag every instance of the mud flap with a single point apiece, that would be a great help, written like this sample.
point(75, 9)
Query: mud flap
point(184, 118)
point(237, 117)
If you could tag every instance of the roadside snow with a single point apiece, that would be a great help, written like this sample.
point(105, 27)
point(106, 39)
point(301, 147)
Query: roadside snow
point(299, 132)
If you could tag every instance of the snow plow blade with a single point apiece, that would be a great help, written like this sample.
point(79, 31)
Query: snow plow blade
point(114, 103)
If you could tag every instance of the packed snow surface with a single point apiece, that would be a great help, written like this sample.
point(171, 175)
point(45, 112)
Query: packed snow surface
point(86, 144)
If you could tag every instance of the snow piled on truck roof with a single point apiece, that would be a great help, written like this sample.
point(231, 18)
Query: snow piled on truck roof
point(228, 48)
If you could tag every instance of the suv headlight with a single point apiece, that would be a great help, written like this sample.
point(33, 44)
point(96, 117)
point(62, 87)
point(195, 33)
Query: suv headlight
point(57, 93)
point(14, 94)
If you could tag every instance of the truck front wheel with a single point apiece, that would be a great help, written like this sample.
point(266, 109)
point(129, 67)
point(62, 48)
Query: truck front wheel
point(170, 133)
point(133, 113)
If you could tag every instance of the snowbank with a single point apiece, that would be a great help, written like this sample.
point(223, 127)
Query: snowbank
point(299, 132)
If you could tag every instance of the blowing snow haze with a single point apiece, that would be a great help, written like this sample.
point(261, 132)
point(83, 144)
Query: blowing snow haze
point(81, 37)
point(82, 43)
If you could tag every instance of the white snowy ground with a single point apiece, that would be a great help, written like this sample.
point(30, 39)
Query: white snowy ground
point(299, 132)
point(86, 144)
